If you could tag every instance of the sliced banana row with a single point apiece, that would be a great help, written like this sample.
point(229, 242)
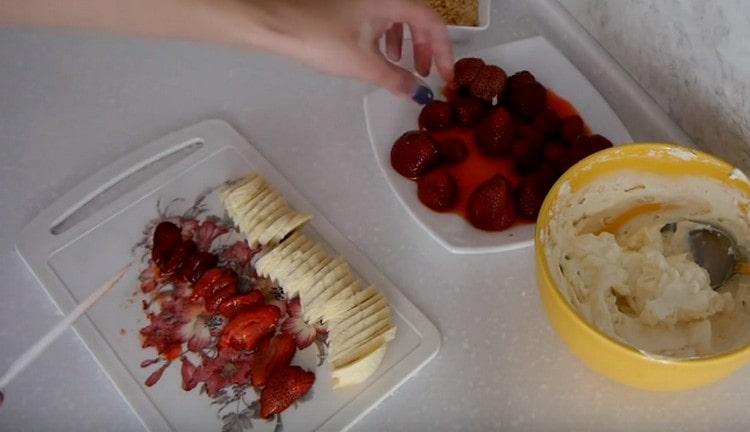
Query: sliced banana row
point(260, 212)
point(358, 317)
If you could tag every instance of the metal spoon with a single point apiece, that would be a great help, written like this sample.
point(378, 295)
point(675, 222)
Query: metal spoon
point(712, 248)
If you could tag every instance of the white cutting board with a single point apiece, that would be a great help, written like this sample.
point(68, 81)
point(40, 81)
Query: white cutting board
point(87, 235)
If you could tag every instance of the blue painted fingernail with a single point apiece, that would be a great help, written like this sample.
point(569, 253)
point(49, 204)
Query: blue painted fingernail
point(423, 95)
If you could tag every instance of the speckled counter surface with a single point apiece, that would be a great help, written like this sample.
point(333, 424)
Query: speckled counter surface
point(72, 103)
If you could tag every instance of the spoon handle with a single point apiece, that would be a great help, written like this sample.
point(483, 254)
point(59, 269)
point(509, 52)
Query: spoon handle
point(33, 352)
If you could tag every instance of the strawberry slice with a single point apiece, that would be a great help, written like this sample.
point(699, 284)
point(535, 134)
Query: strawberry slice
point(214, 301)
point(180, 254)
point(285, 385)
point(166, 236)
point(274, 352)
point(212, 282)
point(247, 328)
point(230, 307)
point(198, 264)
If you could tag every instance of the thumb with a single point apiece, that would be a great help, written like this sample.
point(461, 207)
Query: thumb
point(397, 80)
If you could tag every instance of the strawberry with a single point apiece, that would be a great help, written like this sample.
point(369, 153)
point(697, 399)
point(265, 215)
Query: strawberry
point(285, 385)
point(436, 115)
point(520, 78)
point(468, 111)
point(182, 251)
point(490, 205)
point(529, 134)
point(489, 83)
point(452, 150)
point(532, 191)
point(438, 190)
point(212, 282)
point(273, 352)
point(571, 127)
point(527, 155)
point(527, 100)
point(547, 123)
point(413, 154)
point(247, 328)
point(577, 151)
point(217, 298)
point(553, 152)
point(198, 264)
point(494, 135)
point(466, 70)
point(231, 306)
point(166, 236)
point(598, 143)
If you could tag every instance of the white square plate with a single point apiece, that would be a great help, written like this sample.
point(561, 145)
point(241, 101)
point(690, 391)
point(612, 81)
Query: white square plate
point(388, 117)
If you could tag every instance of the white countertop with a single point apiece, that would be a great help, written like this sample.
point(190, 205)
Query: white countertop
point(72, 103)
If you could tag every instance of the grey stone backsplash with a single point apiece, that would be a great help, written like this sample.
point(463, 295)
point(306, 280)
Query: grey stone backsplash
point(692, 56)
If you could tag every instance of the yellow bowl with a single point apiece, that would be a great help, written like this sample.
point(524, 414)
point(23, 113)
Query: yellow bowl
point(601, 353)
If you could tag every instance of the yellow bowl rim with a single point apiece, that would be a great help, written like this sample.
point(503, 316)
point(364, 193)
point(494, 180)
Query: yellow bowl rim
point(546, 275)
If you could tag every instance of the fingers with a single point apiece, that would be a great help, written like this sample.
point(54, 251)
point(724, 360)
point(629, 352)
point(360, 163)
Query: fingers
point(393, 40)
point(442, 51)
point(391, 77)
point(422, 50)
point(429, 34)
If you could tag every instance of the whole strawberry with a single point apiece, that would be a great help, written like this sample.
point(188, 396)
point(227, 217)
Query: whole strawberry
point(491, 205)
point(438, 190)
point(489, 83)
point(466, 70)
point(495, 134)
point(468, 111)
point(413, 154)
point(286, 385)
point(436, 115)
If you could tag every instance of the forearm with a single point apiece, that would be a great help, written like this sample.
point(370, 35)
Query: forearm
point(235, 22)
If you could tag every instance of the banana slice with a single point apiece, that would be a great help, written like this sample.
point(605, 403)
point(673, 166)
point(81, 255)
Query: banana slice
point(358, 370)
point(340, 347)
point(265, 265)
point(380, 338)
point(240, 185)
point(338, 268)
point(303, 282)
point(243, 191)
point(344, 334)
point(339, 304)
point(361, 299)
point(295, 259)
point(267, 220)
point(314, 311)
point(248, 219)
point(263, 219)
point(240, 208)
point(355, 320)
point(314, 257)
point(295, 222)
point(269, 235)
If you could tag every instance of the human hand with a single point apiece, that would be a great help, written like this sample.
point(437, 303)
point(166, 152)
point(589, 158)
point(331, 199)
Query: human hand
point(342, 37)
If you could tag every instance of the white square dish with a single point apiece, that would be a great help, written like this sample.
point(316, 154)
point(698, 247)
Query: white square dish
point(388, 117)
